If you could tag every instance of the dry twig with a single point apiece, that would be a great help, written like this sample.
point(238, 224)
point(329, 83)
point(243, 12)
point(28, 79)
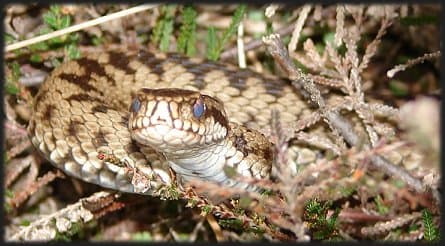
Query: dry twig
point(21, 196)
point(46, 229)
point(411, 63)
point(383, 227)
point(303, 82)
point(78, 27)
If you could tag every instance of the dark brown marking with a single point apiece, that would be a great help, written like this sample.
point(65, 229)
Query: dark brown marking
point(81, 81)
point(72, 128)
point(241, 144)
point(72, 78)
point(208, 65)
point(99, 139)
point(40, 95)
point(93, 66)
point(268, 154)
point(169, 92)
point(84, 97)
point(124, 121)
point(237, 78)
point(100, 108)
point(199, 82)
point(48, 112)
point(276, 87)
point(131, 147)
point(151, 61)
point(120, 60)
point(144, 54)
point(198, 70)
point(175, 57)
point(158, 69)
point(195, 69)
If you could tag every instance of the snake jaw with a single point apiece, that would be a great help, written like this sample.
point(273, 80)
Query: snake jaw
point(170, 120)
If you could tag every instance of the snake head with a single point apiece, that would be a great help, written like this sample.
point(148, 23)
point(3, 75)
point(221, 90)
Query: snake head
point(170, 120)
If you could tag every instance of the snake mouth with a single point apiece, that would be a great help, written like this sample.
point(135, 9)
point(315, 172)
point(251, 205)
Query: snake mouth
point(169, 121)
point(163, 134)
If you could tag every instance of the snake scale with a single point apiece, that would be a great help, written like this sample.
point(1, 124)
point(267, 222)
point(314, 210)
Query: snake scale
point(151, 111)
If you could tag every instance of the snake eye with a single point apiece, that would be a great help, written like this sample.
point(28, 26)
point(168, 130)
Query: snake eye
point(135, 105)
point(198, 108)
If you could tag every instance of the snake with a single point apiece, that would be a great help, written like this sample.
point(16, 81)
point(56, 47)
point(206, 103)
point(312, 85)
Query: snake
point(111, 115)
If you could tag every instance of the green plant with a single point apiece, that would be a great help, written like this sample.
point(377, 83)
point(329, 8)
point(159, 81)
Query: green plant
point(164, 27)
point(12, 79)
point(75, 231)
point(239, 225)
point(234, 224)
point(6, 206)
point(187, 34)
point(431, 231)
point(381, 208)
point(8, 38)
point(322, 227)
point(142, 236)
point(215, 44)
point(56, 20)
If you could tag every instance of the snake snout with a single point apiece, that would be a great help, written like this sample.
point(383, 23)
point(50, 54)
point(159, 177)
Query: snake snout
point(172, 119)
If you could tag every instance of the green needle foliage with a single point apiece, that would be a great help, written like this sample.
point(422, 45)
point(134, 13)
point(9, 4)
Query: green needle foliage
point(211, 44)
point(215, 44)
point(431, 231)
point(187, 34)
point(239, 226)
point(234, 224)
point(163, 29)
point(142, 236)
point(322, 227)
point(9, 39)
point(381, 208)
point(12, 79)
point(56, 20)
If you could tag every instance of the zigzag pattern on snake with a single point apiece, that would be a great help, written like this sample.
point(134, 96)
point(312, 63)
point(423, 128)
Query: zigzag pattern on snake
point(84, 107)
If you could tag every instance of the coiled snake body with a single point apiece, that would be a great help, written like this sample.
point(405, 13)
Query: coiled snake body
point(192, 115)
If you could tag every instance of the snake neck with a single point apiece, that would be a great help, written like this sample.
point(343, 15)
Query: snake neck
point(244, 153)
point(209, 164)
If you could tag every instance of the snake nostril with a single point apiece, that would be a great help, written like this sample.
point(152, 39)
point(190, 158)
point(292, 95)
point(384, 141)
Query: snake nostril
point(135, 105)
